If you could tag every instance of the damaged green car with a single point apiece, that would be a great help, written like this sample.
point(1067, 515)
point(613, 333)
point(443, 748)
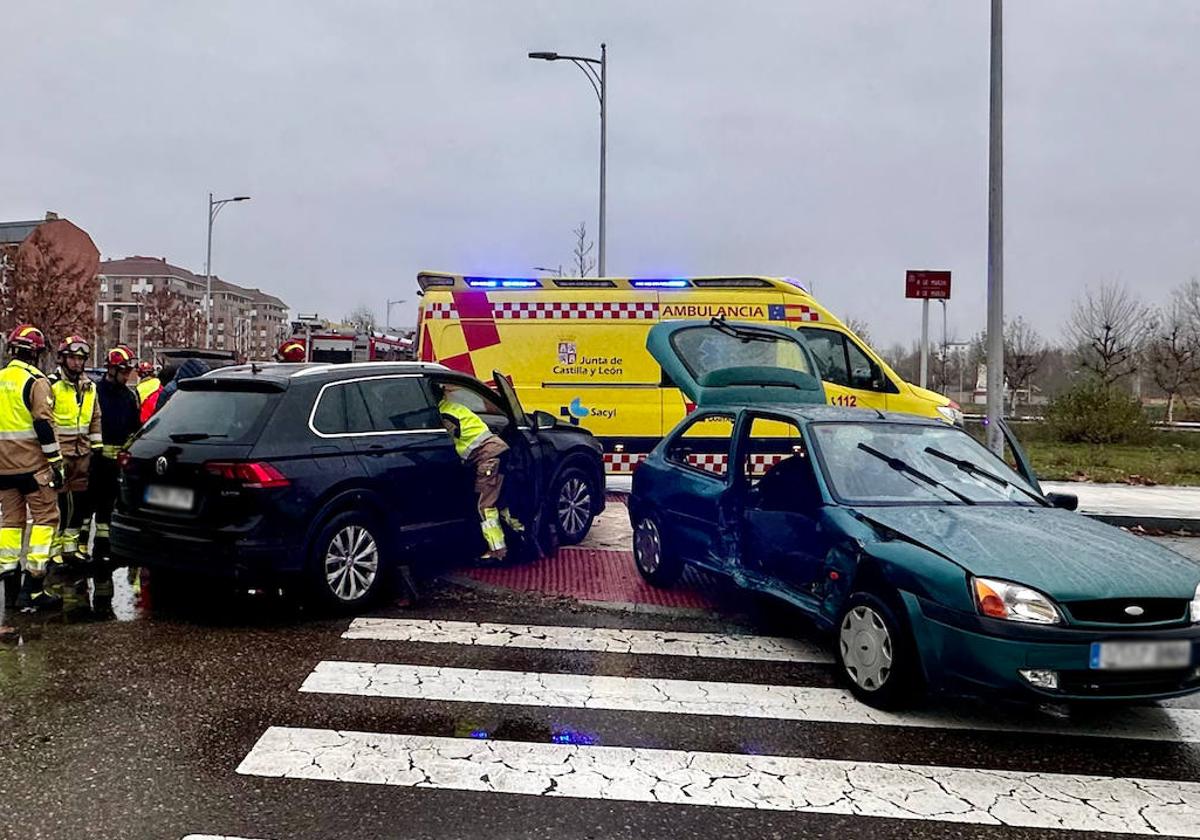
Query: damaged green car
point(934, 564)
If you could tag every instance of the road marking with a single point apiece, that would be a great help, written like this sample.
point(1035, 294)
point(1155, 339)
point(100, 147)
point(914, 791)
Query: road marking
point(779, 702)
point(214, 837)
point(899, 791)
point(601, 639)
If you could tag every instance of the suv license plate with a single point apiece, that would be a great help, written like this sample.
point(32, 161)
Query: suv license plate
point(172, 498)
point(1141, 656)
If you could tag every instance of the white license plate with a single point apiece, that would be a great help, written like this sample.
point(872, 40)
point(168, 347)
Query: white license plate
point(173, 498)
point(1141, 656)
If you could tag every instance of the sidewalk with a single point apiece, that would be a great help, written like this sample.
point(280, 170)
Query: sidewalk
point(1171, 509)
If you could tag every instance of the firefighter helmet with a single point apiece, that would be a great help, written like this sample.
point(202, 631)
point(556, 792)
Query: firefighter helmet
point(27, 337)
point(74, 345)
point(145, 368)
point(291, 350)
point(120, 357)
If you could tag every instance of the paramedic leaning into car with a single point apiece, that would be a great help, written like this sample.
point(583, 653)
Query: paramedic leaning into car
point(476, 445)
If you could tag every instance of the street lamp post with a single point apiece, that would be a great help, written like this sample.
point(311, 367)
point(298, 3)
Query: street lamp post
point(387, 326)
point(599, 83)
point(214, 207)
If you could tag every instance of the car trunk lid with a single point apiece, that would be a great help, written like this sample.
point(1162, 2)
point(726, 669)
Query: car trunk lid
point(722, 362)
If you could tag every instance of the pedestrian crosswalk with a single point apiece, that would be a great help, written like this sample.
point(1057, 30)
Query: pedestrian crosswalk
point(806, 771)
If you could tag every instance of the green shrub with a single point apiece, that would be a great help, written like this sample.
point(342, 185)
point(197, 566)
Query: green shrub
point(1090, 413)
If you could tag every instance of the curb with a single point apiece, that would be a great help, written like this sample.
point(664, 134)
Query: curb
point(1152, 524)
point(1178, 526)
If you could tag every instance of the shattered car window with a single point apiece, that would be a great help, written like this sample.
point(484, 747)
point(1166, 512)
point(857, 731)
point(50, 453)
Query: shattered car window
point(704, 350)
point(857, 475)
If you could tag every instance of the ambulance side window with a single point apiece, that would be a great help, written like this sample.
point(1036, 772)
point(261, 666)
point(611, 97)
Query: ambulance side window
point(829, 348)
point(864, 373)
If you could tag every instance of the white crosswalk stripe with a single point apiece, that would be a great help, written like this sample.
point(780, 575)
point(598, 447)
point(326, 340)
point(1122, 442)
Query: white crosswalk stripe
point(600, 639)
point(988, 797)
point(697, 697)
point(1016, 795)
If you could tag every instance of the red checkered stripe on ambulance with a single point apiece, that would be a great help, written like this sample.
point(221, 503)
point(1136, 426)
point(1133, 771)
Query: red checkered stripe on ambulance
point(522, 310)
point(624, 463)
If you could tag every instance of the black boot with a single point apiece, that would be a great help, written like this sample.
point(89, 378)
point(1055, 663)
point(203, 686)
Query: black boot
point(12, 585)
point(34, 598)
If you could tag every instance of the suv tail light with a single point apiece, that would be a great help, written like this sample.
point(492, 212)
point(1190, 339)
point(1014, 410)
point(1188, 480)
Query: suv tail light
point(124, 460)
point(256, 475)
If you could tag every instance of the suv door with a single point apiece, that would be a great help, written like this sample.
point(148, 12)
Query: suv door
point(722, 362)
point(529, 468)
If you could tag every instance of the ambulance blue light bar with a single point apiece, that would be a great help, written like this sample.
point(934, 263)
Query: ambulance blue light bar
point(659, 284)
point(499, 283)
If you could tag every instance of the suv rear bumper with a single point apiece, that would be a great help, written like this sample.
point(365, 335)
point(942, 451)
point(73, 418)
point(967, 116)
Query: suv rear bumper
point(241, 553)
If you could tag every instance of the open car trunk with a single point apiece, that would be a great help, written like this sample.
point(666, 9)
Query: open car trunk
point(722, 362)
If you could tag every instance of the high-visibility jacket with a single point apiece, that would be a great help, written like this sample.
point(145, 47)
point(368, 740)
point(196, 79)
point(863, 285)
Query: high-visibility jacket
point(76, 413)
point(27, 439)
point(148, 386)
point(464, 426)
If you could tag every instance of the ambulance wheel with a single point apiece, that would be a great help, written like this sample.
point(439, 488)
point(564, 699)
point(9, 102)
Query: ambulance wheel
point(656, 563)
point(573, 497)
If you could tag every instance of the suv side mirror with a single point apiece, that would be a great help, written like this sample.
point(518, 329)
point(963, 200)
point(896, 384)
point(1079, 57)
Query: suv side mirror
point(543, 420)
point(1066, 501)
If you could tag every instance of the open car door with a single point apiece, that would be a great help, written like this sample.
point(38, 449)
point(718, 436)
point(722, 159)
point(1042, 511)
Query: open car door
point(722, 362)
point(523, 491)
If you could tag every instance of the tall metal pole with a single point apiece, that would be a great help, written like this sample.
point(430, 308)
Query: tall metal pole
point(603, 147)
point(925, 343)
point(208, 279)
point(944, 346)
point(995, 278)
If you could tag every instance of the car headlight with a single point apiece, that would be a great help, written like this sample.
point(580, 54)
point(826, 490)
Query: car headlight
point(1014, 602)
point(951, 413)
point(1195, 607)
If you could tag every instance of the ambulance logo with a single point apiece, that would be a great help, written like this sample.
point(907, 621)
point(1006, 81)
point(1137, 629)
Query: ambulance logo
point(567, 354)
point(574, 412)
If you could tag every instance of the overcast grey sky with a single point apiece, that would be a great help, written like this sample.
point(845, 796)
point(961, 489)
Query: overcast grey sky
point(837, 142)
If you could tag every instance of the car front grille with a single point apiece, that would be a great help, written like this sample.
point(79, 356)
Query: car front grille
point(1112, 610)
point(1126, 683)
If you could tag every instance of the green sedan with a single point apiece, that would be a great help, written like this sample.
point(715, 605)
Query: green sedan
point(935, 565)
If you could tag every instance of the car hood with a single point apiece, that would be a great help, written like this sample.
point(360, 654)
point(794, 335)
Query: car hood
point(1065, 555)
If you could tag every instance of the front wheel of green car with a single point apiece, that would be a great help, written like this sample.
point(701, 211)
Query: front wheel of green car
point(875, 654)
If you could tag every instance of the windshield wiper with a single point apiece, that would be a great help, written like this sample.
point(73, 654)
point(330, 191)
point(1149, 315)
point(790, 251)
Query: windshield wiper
point(971, 468)
point(743, 333)
point(189, 437)
point(902, 466)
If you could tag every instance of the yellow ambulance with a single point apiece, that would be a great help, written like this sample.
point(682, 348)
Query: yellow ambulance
point(576, 346)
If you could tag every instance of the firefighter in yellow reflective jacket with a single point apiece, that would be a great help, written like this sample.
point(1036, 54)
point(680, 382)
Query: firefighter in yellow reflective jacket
point(148, 381)
point(479, 447)
point(31, 467)
point(77, 421)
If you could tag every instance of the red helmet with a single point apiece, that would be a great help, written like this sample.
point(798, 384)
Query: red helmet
point(291, 350)
point(120, 357)
point(74, 345)
point(145, 368)
point(27, 337)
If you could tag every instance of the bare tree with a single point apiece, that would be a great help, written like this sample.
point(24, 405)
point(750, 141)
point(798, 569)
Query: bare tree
point(168, 319)
point(1108, 327)
point(1173, 347)
point(362, 317)
point(860, 328)
point(583, 262)
point(1024, 353)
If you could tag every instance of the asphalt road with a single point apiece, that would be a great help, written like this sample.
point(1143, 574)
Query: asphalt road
point(248, 718)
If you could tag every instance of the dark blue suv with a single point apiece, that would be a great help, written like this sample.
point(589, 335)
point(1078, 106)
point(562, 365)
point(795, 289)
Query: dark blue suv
point(329, 473)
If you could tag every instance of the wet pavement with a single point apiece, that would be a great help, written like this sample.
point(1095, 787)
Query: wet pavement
point(481, 712)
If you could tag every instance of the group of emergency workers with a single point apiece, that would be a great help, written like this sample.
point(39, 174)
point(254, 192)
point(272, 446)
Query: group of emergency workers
point(59, 439)
point(60, 436)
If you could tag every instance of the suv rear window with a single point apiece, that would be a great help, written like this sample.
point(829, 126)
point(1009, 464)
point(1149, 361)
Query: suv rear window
point(376, 405)
point(212, 416)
